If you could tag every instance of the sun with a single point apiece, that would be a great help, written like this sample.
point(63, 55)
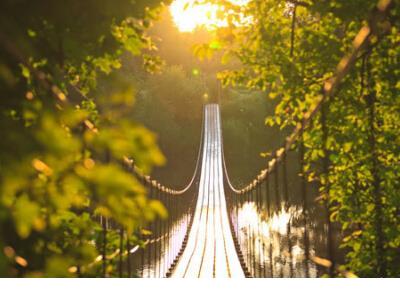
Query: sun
point(188, 15)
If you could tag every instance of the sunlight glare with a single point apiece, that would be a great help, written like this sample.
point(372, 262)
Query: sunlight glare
point(188, 15)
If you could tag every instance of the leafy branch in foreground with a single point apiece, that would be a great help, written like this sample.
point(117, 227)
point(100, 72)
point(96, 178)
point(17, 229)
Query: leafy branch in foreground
point(61, 150)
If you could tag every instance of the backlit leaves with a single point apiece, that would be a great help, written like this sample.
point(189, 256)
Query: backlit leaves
point(65, 130)
point(324, 31)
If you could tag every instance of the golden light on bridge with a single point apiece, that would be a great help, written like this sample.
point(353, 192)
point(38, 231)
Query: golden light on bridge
point(189, 15)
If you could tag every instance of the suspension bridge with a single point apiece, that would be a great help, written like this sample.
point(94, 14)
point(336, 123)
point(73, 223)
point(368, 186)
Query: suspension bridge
point(217, 231)
point(275, 226)
point(210, 251)
point(271, 227)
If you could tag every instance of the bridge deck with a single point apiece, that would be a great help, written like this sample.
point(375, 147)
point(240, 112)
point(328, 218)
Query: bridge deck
point(210, 250)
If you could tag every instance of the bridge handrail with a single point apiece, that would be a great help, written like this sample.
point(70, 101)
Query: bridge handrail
point(154, 183)
point(147, 178)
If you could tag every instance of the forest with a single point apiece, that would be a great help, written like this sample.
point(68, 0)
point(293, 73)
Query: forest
point(101, 101)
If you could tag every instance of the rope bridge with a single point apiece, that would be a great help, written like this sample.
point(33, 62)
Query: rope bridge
point(210, 251)
point(276, 226)
point(196, 240)
point(272, 227)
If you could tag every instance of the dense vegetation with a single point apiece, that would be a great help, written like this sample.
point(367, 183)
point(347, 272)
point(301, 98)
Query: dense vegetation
point(289, 49)
point(64, 131)
point(67, 122)
point(76, 87)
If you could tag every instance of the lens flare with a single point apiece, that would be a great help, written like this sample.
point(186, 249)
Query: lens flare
point(189, 15)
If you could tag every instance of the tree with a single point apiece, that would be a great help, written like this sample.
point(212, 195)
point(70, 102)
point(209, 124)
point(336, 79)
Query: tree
point(289, 49)
point(64, 137)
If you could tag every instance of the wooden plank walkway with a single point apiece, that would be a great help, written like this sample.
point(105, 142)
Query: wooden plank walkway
point(210, 251)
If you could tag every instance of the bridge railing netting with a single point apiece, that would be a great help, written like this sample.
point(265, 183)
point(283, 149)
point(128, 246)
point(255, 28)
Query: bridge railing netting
point(159, 245)
point(281, 220)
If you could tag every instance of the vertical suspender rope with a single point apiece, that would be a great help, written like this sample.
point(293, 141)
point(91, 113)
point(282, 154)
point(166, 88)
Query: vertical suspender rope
point(248, 237)
point(239, 199)
point(258, 237)
point(164, 233)
point(267, 195)
point(286, 196)
point(142, 250)
point(253, 231)
point(173, 219)
point(276, 181)
point(159, 228)
point(268, 200)
point(264, 266)
point(278, 208)
point(170, 233)
point(304, 204)
point(156, 238)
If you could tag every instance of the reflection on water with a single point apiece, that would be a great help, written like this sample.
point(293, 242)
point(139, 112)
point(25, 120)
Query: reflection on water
point(274, 246)
point(155, 260)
